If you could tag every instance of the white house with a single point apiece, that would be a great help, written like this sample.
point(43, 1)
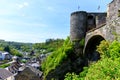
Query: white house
point(5, 56)
point(6, 75)
point(1, 56)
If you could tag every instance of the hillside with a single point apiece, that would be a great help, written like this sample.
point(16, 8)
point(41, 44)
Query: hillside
point(38, 48)
point(107, 68)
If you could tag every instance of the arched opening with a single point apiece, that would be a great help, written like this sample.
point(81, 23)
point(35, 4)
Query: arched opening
point(90, 51)
point(91, 22)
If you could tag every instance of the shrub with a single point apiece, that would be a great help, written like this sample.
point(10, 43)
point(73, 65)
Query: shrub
point(107, 68)
point(23, 61)
point(4, 65)
point(71, 76)
point(114, 49)
point(103, 49)
point(57, 57)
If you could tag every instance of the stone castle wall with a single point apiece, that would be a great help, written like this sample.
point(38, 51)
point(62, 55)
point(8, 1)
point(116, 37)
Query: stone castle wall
point(81, 22)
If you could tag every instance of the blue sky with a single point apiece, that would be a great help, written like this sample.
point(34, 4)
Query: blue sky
point(38, 20)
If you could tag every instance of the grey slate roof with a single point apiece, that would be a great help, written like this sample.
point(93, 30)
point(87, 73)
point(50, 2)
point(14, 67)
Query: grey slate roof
point(4, 74)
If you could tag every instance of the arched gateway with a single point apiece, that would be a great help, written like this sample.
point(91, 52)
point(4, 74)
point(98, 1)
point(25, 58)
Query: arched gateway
point(90, 48)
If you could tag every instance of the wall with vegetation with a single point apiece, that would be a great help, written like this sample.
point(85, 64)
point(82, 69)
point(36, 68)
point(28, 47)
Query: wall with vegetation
point(107, 68)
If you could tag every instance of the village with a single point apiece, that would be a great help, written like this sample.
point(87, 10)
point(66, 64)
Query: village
point(13, 67)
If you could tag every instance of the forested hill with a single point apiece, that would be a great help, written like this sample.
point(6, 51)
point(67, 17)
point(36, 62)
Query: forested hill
point(16, 45)
point(48, 46)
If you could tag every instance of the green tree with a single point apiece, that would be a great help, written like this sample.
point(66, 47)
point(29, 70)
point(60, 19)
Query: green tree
point(15, 52)
point(7, 49)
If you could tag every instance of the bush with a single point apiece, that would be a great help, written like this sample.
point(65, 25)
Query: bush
point(23, 61)
point(114, 49)
point(71, 76)
point(57, 57)
point(15, 52)
point(109, 50)
point(103, 49)
point(4, 65)
point(107, 68)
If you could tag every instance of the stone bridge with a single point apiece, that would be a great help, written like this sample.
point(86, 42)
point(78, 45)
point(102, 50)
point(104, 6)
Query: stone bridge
point(93, 38)
point(96, 35)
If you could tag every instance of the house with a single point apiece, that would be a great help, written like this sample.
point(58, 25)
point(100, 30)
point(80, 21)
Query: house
point(29, 73)
point(6, 75)
point(1, 56)
point(5, 56)
point(15, 65)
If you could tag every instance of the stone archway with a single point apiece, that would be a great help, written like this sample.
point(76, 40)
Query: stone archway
point(90, 49)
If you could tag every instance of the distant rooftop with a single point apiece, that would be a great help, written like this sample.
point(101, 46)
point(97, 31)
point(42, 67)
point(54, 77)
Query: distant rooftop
point(4, 74)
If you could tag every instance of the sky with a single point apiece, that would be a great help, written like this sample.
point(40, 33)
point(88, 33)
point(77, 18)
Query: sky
point(35, 21)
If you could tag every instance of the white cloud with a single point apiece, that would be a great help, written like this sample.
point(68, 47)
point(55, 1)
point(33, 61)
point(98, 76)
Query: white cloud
point(50, 8)
point(23, 5)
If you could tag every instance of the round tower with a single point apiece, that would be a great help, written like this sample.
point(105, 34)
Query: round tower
point(78, 25)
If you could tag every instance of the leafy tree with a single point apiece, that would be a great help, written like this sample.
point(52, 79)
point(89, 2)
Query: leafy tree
point(7, 49)
point(1, 49)
point(15, 52)
point(49, 46)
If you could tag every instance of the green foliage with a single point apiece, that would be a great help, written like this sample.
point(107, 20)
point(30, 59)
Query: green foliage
point(57, 57)
point(23, 61)
point(49, 46)
point(7, 49)
point(105, 69)
point(16, 45)
point(1, 49)
point(110, 50)
point(71, 76)
point(114, 49)
point(84, 72)
point(15, 52)
point(103, 48)
point(11, 47)
point(4, 65)
point(108, 68)
point(82, 42)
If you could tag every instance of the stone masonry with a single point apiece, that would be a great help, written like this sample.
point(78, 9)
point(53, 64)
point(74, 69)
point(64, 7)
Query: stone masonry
point(95, 27)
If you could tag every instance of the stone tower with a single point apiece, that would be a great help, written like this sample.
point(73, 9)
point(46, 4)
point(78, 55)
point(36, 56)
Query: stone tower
point(78, 25)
